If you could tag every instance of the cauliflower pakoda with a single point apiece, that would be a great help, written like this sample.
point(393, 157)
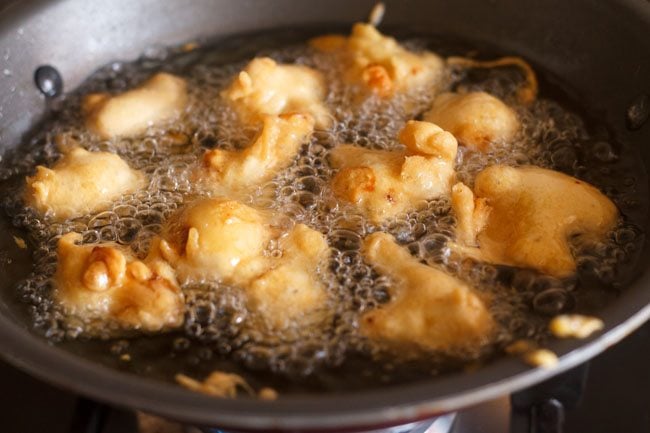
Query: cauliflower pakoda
point(79, 183)
point(160, 98)
point(385, 183)
point(218, 239)
point(292, 285)
point(477, 119)
point(105, 283)
point(274, 148)
point(526, 216)
point(267, 88)
point(428, 309)
point(379, 63)
point(224, 240)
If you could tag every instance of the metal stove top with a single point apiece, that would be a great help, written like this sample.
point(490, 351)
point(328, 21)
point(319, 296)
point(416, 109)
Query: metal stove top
point(615, 398)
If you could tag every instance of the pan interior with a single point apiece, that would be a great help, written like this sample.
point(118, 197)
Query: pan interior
point(579, 143)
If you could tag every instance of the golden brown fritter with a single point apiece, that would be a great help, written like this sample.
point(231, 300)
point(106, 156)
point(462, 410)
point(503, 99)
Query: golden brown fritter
point(267, 88)
point(105, 284)
point(218, 239)
point(379, 63)
point(227, 241)
point(292, 286)
point(385, 183)
point(161, 98)
point(525, 217)
point(274, 149)
point(429, 308)
point(81, 182)
point(478, 120)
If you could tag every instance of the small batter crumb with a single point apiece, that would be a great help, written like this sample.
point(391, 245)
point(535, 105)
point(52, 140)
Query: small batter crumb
point(20, 242)
point(217, 384)
point(542, 358)
point(575, 326)
point(224, 385)
point(519, 347)
point(267, 393)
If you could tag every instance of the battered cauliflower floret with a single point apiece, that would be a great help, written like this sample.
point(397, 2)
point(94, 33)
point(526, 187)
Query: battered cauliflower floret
point(105, 284)
point(428, 309)
point(218, 239)
point(292, 285)
point(227, 241)
point(81, 182)
point(525, 217)
point(274, 148)
point(385, 183)
point(477, 119)
point(159, 99)
point(379, 63)
point(267, 88)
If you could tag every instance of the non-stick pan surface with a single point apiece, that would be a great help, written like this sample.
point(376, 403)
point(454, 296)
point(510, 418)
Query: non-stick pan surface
point(601, 49)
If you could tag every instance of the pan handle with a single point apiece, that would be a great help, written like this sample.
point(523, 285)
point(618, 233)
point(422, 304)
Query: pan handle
point(541, 408)
point(543, 417)
point(89, 416)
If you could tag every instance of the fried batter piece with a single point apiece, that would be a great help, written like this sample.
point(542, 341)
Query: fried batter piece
point(428, 309)
point(380, 63)
point(267, 88)
point(160, 98)
point(218, 239)
point(217, 384)
point(477, 119)
point(79, 183)
point(385, 183)
point(525, 217)
point(292, 286)
point(224, 385)
point(574, 326)
point(274, 148)
point(227, 241)
point(105, 283)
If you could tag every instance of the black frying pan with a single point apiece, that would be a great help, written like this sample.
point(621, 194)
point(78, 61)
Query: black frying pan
point(601, 49)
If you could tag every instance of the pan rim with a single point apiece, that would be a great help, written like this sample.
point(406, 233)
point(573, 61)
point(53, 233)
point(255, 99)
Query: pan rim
point(359, 409)
point(323, 412)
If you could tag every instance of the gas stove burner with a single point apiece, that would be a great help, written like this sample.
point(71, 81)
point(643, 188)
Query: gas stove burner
point(441, 424)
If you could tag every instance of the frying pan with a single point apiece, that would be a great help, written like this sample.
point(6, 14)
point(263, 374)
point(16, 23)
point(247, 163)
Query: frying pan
point(600, 48)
